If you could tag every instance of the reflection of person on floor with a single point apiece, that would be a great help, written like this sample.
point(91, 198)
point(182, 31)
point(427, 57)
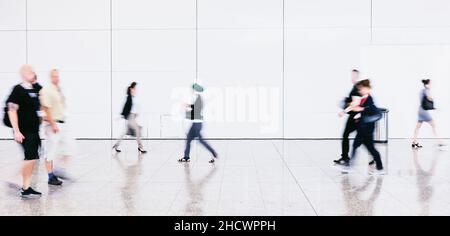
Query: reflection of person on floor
point(58, 142)
point(130, 114)
point(193, 207)
point(426, 106)
point(424, 183)
point(369, 114)
point(129, 188)
point(356, 205)
point(23, 109)
point(350, 125)
point(195, 115)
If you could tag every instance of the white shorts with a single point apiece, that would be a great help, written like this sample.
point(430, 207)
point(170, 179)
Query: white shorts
point(59, 144)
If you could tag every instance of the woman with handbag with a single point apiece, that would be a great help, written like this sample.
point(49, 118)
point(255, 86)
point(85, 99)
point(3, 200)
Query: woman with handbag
point(427, 105)
point(130, 114)
point(369, 114)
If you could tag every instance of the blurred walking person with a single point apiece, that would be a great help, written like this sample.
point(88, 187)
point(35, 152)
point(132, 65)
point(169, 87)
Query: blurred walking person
point(130, 114)
point(24, 117)
point(369, 114)
point(427, 105)
point(350, 125)
point(195, 115)
point(58, 142)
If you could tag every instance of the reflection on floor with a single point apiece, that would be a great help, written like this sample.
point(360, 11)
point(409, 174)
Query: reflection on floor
point(251, 178)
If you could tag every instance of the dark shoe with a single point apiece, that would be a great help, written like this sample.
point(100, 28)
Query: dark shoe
point(30, 193)
point(55, 181)
point(342, 160)
point(416, 145)
point(116, 148)
point(142, 151)
point(214, 159)
point(184, 159)
point(343, 166)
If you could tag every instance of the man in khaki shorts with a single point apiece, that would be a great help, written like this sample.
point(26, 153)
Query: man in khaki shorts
point(58, 143)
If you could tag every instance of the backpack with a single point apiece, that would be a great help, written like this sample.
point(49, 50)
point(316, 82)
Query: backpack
point(6, 120)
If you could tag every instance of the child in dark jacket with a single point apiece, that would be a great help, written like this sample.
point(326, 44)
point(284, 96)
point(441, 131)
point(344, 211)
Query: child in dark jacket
point(369, 114)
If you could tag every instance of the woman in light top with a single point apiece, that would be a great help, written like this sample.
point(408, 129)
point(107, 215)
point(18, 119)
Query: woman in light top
point(130, 113)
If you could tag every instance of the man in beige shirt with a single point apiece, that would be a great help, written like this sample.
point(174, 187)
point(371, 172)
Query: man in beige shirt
point(57, 139)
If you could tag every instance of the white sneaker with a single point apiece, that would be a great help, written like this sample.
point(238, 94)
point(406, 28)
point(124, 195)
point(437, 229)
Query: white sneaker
point(377, 172)
point(345, 169)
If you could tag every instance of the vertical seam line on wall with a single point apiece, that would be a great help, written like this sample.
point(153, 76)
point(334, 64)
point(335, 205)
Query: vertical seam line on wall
point(26, 31)
point(196, 41)
point(283, 72)
point(111, 65)
point(371, 21)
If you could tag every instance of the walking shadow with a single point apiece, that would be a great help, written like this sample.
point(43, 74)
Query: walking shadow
point(356, 200)
point(424, 182)
point(128, 191)
point(195, 188)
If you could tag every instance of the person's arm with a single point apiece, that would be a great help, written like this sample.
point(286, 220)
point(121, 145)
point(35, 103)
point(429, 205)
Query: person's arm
point(50, 119)
point(14, 119)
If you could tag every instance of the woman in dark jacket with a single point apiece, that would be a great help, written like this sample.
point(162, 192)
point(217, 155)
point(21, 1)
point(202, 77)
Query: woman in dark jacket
point(369, 114)
point(129, 113)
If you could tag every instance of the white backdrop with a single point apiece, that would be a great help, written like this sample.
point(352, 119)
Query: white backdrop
point(272, 68)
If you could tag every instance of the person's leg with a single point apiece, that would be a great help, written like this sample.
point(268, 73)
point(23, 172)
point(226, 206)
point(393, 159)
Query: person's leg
point(27, 171)
point(416, 132)
point(349, 128)
point(207, 146)
point(369, 143)
point(435, 133)
point(119, 141)
point(51, 148)
point(30, 145)
point(190, 136)
point(137, 130)
point(357, 143)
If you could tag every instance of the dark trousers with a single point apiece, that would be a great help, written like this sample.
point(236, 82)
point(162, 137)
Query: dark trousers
point(350, 127)
point(365, 137)
point(195, 132)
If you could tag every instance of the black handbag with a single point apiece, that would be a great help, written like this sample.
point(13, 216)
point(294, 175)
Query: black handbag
point(427, 104)
point(6, 120)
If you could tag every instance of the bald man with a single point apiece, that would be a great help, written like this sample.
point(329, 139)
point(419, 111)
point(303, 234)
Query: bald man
point(24, 113)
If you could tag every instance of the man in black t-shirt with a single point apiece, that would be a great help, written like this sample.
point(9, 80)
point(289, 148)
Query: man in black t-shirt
point(350, 125)
point(24, 113)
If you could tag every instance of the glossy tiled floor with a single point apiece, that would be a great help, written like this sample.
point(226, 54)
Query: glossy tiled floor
point(251, 178)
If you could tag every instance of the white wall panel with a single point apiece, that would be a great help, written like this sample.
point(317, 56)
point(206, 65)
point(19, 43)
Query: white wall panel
point(318, 65)
point(70, 50)
point(327, 13)
point(68, 14)
point(411, 13)
point(159, 14)
point(154, 50)
point(12, 50)
point(240, 13)
point(12, 14)
point(232, 60)
point(408, 36)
